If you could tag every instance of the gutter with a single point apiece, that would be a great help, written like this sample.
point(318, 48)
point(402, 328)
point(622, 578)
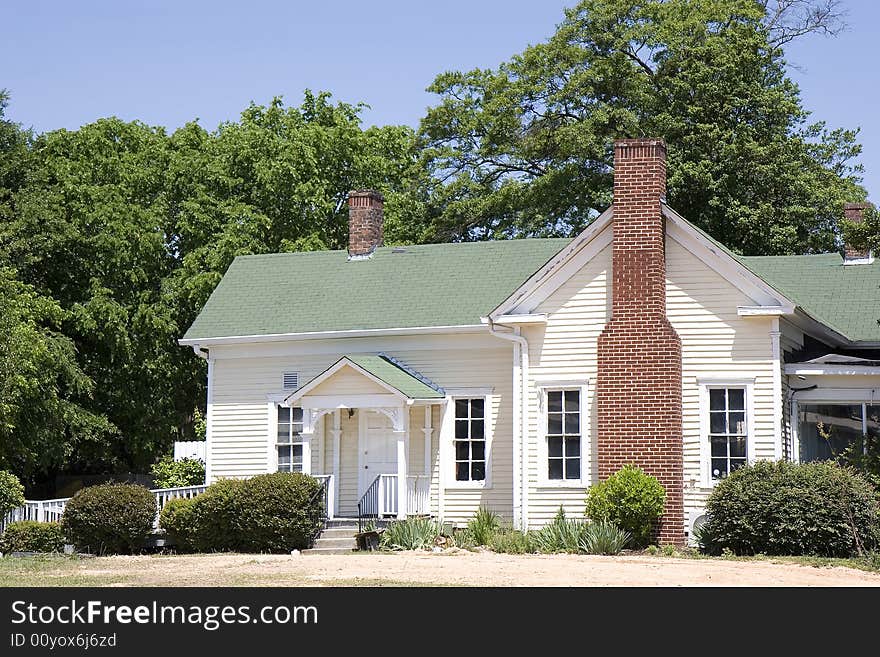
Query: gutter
point(520, 424)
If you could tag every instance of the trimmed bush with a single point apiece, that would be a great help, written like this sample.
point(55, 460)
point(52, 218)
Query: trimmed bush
point(785, 508)
point(109, 518)
point(631, 499)
point(176, 519)
point(30, 536)
point(276, 512)
point(11, 492)
point(168, 473)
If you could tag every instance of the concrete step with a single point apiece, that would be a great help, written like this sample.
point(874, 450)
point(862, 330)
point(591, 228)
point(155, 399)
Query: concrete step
point(341, 532)
point(320, 550)
point(347, 542)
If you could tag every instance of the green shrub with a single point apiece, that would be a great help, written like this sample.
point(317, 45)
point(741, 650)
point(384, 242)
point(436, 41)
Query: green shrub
point(484, 525)
point(276, 512)
point(11, 493)
point(168, 473)
point(631, 499)
point(176, 519)
point(603, 537)
point(109, 518)
point(511, 541)
point(30, 536)
point(785, 508)
point(561, 535)
point(410, 534)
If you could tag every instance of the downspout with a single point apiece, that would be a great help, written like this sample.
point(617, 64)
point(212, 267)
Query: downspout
point(520, 422)
point(205, 354)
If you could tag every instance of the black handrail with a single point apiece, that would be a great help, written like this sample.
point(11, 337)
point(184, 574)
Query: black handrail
point(368, 506)
point(322, 492)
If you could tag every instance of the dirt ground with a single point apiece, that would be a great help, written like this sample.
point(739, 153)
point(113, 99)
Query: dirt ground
point(450, 568)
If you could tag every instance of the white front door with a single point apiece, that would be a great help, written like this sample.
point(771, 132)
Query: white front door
point(378, 448)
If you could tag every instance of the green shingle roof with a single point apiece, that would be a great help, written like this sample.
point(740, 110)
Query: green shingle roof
point(395, 376)
point(844, 297)
point(426, 285)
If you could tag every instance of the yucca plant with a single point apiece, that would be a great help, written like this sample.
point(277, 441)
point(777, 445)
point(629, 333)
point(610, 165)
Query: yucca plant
point(484, 525)
point(603, 537)
point(410, 534)
point(561, 535)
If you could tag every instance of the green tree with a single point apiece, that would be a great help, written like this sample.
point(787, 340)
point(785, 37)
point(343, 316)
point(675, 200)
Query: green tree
point(526, 149)
point(43, 424)
point(119, 232)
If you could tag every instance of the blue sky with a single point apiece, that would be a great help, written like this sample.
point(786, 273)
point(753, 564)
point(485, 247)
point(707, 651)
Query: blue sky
point(68, 63)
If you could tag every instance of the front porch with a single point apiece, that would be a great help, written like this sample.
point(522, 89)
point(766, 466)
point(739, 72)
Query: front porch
point(365, 427)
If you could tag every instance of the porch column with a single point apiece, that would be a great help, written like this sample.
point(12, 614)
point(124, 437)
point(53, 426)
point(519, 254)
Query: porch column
point(401, 475)
point(336, 432)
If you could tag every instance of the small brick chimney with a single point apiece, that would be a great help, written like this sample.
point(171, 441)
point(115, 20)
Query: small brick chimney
point(855, 212)
point(638, 385)
point(364, 223)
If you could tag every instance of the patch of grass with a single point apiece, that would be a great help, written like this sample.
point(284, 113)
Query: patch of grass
point(869, 563)
point(53, 571)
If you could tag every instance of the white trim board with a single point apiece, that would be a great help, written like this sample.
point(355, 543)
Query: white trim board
point(319, 335)
point(831, 369)
point(557, 270)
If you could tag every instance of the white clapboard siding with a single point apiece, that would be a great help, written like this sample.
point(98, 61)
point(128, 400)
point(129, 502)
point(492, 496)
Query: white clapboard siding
point(246, 376)
point(716, 342)
point(702, 306)
point(565, 350)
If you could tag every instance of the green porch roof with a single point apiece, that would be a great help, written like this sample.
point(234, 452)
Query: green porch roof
point(426, 285)
point(387, 371)
point(845, 298)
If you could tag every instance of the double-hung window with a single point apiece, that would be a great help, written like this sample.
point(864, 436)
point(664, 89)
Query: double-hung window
point(563, 434)
point(728, 430)
point(470, 439)
point(289, 442)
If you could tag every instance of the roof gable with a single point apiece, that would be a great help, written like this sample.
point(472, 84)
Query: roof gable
point(368, 374)
point(598, 235)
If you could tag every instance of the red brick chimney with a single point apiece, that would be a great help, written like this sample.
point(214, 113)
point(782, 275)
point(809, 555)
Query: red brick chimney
point(855, 212)
point(364, 223)
point(638, 387)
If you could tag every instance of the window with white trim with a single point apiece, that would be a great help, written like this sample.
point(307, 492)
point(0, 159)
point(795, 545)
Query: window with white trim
point(289, 442)
point(728, 430)
point(563, 434)
point(470, 439)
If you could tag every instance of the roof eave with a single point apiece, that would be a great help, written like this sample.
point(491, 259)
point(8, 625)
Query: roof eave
point(325, 335)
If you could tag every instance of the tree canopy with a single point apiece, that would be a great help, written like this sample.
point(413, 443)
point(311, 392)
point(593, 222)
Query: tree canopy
point(526, 149)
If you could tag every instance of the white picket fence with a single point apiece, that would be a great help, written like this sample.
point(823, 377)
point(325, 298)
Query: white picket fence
point(51, 510)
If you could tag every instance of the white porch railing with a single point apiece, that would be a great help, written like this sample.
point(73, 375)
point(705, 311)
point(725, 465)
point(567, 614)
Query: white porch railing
point(382, 498)
point(52, 510)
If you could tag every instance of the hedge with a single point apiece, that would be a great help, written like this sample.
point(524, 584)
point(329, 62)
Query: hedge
point(30, 536)
point(109, 518)
point(276, 512)
point(785, 508)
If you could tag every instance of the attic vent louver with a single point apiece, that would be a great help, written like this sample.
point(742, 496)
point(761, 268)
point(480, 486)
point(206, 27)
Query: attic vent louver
point(290, 380)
